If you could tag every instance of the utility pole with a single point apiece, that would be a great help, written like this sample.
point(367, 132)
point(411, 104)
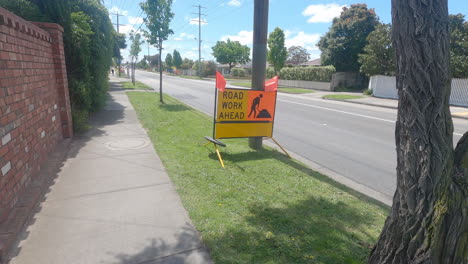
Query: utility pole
point(260, 37)
point(199, 37)
point(118, 25)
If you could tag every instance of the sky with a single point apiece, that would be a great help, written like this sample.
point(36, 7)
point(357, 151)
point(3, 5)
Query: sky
point(303, 21)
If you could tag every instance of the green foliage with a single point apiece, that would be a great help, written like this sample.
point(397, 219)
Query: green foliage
point(135, 48)
point(459, 45)
point(120, 42)
point(187, 64)
point(143, 64)
point(209, 68)
point(270, 72)
point(168, 61)
point(317, 74)
point(347, 37)
point(89, 40)
point(297, 55)
point(238, 72)
point(158, 16)
point(231, 52)
point(25, 9)
point(176, 59)
point(378, 57)
point(368, 91)
point(277, 51)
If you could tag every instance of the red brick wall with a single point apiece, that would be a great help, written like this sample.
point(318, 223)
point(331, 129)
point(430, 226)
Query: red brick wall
point(34, 101)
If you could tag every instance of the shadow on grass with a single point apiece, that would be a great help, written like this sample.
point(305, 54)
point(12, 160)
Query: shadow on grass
point(313, 230)
point(175, 107)
point(264, 154)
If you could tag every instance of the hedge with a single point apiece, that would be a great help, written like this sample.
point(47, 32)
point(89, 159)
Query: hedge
point(317, 74)
point(238, 72)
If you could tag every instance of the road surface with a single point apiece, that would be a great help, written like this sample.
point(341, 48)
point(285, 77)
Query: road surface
point(355, 141)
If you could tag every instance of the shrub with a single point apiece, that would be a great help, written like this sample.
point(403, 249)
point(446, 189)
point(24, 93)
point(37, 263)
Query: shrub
point(270, 73)
point(238, 72)
point(317, 74)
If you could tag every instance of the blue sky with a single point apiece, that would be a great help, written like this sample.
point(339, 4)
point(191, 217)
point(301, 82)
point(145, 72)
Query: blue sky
point(303, 21)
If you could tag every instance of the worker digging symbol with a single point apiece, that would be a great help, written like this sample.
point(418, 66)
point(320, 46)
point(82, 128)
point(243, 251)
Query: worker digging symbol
point(256, 105)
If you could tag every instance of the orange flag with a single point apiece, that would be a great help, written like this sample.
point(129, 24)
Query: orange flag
point(272, 84)
point(220, 82)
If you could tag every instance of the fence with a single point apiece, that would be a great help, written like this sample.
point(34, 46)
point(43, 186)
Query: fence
point(385, 87)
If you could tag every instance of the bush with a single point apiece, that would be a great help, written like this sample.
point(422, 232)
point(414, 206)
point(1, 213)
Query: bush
point(270, 73)
point(368, 92)
point(238, 72)
point(317, 74)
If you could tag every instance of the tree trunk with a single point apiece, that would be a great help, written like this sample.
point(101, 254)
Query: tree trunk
point(428, 221)
point(160, 73)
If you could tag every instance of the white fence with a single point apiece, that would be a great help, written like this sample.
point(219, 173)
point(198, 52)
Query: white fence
point(325, 86)
point(385, 87)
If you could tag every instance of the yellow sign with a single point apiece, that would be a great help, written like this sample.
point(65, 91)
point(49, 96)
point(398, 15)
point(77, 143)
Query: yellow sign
point(244, 113)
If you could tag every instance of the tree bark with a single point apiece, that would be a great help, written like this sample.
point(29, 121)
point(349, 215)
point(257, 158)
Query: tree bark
point(428, 221)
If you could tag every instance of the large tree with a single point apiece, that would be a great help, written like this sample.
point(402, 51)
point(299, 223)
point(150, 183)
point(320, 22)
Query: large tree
point(169, 61)
point(158, 17)
point(428, 222)
point(297, 55)
point(176, 59)
point(459, 45)
point(347, 37)
point(231, 52)
point(187, 64)
point(277, 52)
point(378, 56)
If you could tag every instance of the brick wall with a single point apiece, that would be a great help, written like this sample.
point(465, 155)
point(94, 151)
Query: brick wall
point(34, 102)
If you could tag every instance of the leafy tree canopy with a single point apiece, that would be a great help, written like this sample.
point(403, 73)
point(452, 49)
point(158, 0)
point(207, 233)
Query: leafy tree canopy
point(231, 52)
point(378, 56)
point(169, 62)
point(187, 64)
point(347, 37)
point(458, 45)
point(277, 51)
point(158, 17)
point(176, 59)
point(297, 55)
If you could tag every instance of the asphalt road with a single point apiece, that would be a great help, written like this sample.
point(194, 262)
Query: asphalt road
point(355, 141)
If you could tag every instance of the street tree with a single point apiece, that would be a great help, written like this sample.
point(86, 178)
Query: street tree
point(176, 59)
point(187, 64)
point(158, 17)
point(429, 217)
point(135, 49)
point(297, 55)
point(169, 61)
point(459, 46)
point(231, 52)
point(378, 56)
point(277, 53)
point(346, 38)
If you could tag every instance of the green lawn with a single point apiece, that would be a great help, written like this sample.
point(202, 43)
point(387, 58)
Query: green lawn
point(281, 89)
point(342, 96)
point(190, 77)
point(263, 207)
point(138, 86)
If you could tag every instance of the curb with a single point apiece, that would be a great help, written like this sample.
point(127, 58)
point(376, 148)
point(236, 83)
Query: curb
point(383, 106)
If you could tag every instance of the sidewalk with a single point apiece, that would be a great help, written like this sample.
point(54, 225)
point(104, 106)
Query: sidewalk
point(112, 201)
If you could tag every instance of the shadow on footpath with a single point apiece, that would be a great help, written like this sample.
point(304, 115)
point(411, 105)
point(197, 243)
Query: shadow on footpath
point(47, 176)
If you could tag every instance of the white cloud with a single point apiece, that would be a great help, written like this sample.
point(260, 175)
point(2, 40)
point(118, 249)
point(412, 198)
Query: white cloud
point(116, 10)
point(191, 55)
point(244, 37)
point(234, 3)
point(308, 41)
point(135, 20)
point(126, 29)
point(184, 36)
point(194, 21)
point(322, 13)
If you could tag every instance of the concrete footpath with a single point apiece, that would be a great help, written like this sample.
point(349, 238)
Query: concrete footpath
point(111, 202)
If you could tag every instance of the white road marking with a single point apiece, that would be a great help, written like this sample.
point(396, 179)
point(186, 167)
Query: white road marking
point(348, 113)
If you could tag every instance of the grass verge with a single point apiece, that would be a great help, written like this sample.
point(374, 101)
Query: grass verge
point(281, 89)
point(263, 207)
point(138, 86)
point(342, 96)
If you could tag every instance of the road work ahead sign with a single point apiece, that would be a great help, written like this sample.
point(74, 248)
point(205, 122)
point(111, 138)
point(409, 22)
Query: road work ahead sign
point(244, 113)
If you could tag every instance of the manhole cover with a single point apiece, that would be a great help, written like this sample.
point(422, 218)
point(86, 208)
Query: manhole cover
point(127, 144)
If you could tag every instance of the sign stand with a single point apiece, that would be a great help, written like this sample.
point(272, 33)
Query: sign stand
point(243, 113)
